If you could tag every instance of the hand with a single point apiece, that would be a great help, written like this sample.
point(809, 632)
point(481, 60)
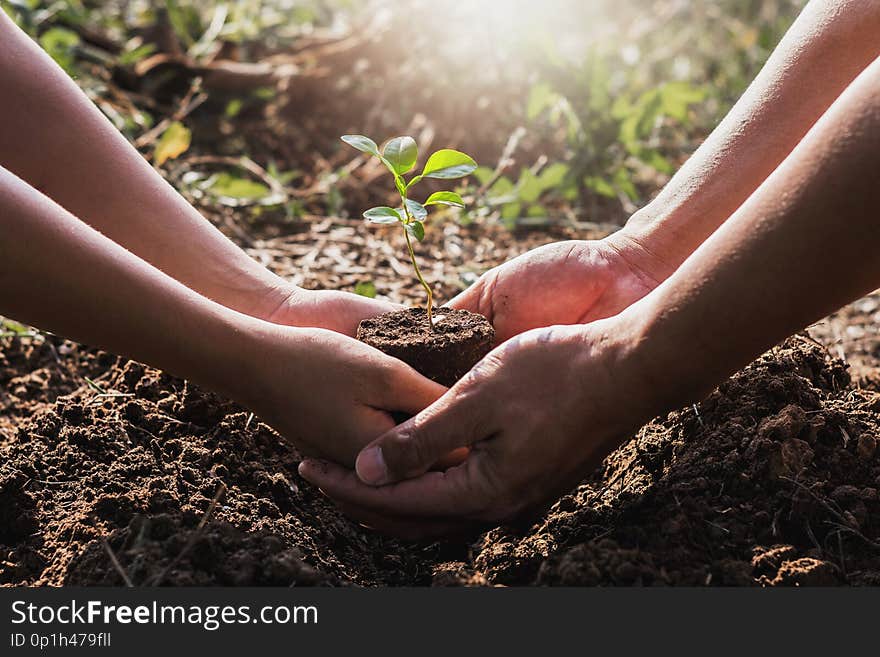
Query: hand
point(329, 394)
point(572, 282)
point(329, 309)
point(539, 412)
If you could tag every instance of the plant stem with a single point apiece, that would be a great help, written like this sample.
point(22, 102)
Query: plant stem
point(412, 257)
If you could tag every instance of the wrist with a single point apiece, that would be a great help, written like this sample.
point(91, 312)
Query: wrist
point(633, 389)
point(665, 354)
point(640, 247)
point(259, 351)
point(662, 236)
point(228, 351)
point(277, 302)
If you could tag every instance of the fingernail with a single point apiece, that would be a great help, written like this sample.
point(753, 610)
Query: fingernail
point(309, 465)
point(370, 466)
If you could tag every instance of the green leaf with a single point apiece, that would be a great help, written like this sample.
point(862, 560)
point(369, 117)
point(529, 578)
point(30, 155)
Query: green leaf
point(553, 175)
point(541, 97)
point(173, 142)
point(600, 186)
point(382, 215)
point(654, 159)
point(510, 214)
point(11, 327)
point(416, 229)
point(60, 44)
point(511, 211)
point(264, 93)
point(361, 143)
point(445, 198)
point(185, 21)
point(416, 210)
point(502, 189)
point(536, 210)
point(448, 163)
point(529, 186)
point(226, 184)
point(133, 56)
point(233, 107)
point(401, 153)
point(365, 289)
point(623, 181)
point(678, 97)
point(483, 174)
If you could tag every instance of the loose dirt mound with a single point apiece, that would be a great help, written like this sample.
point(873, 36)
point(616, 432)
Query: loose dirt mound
point(771, 480)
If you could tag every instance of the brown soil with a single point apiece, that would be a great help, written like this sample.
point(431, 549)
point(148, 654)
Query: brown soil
point(459, 340)
point(771, 480)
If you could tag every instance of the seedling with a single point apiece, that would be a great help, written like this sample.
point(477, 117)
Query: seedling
point(399, 156)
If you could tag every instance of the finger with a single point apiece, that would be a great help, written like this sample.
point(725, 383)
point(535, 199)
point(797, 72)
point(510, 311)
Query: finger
point(458, 419)
point(373, 422)
point(360, 307)
point(343, 311)
point(406, 390)
point(478, 297)
point(455, 457)
point(453, 493)
point(469, 299)
point(370, 422)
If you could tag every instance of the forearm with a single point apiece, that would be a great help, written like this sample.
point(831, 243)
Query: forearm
point(59, 274)
point(831, 42)
point(53, 137)
point(804, 244)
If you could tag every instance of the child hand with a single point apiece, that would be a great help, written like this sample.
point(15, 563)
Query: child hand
point(327, 309)
point(329, 394)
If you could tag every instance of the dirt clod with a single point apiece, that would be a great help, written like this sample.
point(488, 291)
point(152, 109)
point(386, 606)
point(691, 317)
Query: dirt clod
point(459, 340)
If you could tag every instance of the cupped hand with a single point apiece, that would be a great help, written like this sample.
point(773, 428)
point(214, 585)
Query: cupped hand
point(327, 393)
point(571, 282)
point(329, 309)
point(538, 413)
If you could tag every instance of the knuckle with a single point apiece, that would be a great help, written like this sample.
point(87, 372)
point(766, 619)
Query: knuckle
point(481, 373)
point(472, 378)
point(486, 299)
point(389, 374)
point(493, 496)
point(406, 454)
point(505, 498)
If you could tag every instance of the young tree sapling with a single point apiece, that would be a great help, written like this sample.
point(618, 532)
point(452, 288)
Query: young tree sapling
point(399, 156)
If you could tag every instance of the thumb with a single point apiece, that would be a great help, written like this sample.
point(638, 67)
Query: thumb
point(410, 449)
point(473, 298)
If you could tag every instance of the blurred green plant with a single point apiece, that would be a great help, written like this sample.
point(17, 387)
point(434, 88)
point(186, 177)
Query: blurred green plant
point(61, 45)
point(602, 132)
point(608, 140)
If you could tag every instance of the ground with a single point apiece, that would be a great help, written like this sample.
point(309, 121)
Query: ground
point(112, 472)
point(116, 473)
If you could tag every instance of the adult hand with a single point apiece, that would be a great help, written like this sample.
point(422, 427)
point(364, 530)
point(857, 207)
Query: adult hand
point(571, 282)
point(329, 394)
point(538, 413)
